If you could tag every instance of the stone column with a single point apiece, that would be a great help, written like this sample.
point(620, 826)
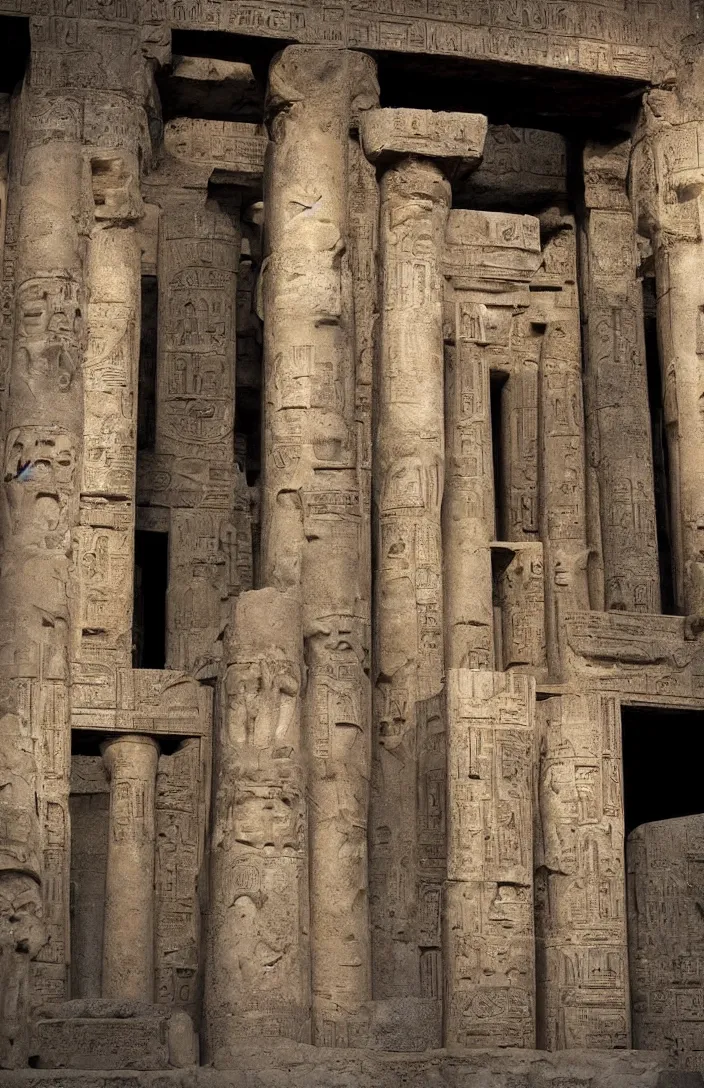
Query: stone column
point(258, 962)
point(42, 446)
point(128, 928)
point(409, 453)
point(667, 184)
point(561, 440)
point(489, 260)
point(488, 902)
point(666, 942)
point(105, 552)
point(618, 416)
point(312, 521)
point(199, 247)
point(580, 923)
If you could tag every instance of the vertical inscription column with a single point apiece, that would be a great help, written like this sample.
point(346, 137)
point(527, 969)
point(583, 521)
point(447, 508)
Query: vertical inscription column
point(409, 451)
point(258, 965)
point(488, 923)
point(312, 523)
point(618, 419)
point(103, 634)
point(563, 519)
point(128, 941)
point(580, 911)
point(43, 430)
point(199, 249)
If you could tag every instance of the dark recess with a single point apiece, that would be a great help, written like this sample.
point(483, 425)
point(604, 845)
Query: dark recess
point(151, 573)
point(663, 751)
point(14, 50)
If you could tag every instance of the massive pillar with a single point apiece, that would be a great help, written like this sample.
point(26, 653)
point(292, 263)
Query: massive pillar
point(667, 182)
point(42, 445)
point(561, 439)
point(488, 922)
point(258, 965)
point(199, 248)
point(312, 520)
point(105, 539)
point(128, 927)
point(581, 962)
point(618, 416)
point(409, 450)
point(489, 260)
point(666, 943)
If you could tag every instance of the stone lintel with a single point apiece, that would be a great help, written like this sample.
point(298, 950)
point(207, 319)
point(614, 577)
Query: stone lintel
point(454, 140)
point(491, 246)
point(233, 150)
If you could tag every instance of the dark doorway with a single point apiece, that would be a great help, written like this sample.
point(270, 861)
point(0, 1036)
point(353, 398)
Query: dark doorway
point(663, 750)
point(151, 575)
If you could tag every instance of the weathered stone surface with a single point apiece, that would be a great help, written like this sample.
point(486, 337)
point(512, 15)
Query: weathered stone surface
point(332, 460)
point(453, 139)
point(664, 863)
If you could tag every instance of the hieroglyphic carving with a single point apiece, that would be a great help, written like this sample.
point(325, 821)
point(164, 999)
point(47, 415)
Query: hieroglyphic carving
point(489, 259)
point(597, 39)
point(489, 893)
point(582, 971)
point(198, 261)
point(235, 148)
point(667, 177)
point(665, 862)
point(563, 510)
point(312, 520)
point(520, 166)
point(409, 458)
point(618, 421)
point(258, 968)
point(181, 795)
point(128, 935)
point(520, 596)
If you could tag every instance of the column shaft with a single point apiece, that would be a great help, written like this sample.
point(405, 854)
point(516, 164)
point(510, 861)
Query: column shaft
point(42, 449)
point(580, 924)
point(258, 965)
point(199, 249)
point(128, 929)
point(409, 464)
point(617, 389)
point(488, 923)
point(563, 527)
point(312, 519)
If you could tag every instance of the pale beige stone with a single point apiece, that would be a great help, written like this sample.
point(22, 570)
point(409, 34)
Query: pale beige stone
point(312, 518)
point(664, 861)
point(616, 387)
point(258, 968)
point(489, 948)
point(580, 909)
point(454, 139)
point(128, 945)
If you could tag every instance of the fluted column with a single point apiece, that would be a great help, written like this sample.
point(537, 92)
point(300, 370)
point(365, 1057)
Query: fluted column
point(128, 928)
point(618, 418)
point(258, 961)
point(312, 519)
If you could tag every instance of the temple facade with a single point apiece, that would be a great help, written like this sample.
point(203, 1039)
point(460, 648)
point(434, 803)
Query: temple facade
point(351, 541)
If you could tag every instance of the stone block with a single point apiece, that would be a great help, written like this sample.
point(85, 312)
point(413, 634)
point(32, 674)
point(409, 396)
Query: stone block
point(456, 140)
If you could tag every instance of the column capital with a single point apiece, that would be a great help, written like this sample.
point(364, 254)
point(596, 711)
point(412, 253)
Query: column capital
point(125, 746)
point(455, 141)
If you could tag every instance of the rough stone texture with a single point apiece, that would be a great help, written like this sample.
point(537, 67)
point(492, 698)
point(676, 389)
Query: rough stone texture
point(328, 545)
point(665, 893)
